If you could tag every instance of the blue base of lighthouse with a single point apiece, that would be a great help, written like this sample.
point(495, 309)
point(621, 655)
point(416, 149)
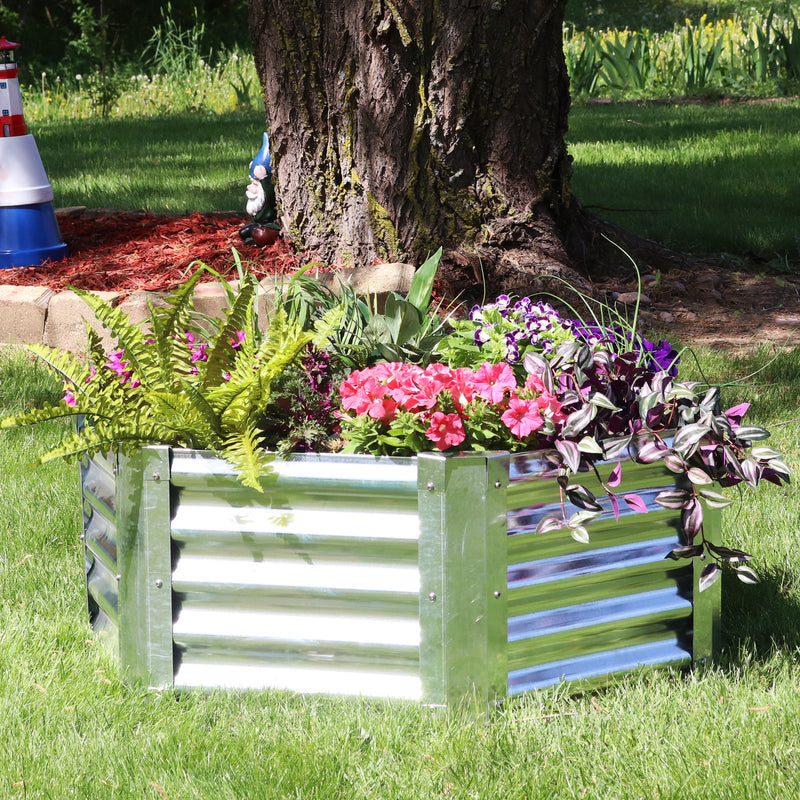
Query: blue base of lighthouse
point(29, 236)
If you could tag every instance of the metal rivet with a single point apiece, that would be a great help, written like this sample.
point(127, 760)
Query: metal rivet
point(432, 597)
point(159, 583)
point(156, 476)
point(430, 487)
point(498, 485)
point(498, 595)
point(118, 577)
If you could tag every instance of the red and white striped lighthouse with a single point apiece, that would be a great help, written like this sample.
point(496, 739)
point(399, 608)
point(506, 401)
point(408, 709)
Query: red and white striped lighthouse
point(29, 233)
point(12, 122)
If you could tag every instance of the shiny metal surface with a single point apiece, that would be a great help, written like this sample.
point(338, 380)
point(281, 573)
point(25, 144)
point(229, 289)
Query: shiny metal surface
point(98, 495)
point(418, 578)
point(311, 586)
point(585, 611)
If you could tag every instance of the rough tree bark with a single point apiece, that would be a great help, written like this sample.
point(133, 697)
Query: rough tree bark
point(400, 125)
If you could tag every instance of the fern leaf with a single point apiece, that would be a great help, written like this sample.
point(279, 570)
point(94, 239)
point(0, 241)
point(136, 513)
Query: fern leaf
point(245, 453)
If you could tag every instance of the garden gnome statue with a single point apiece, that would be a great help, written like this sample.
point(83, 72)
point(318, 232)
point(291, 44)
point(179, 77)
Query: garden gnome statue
point(29, 233)
point(261, 203)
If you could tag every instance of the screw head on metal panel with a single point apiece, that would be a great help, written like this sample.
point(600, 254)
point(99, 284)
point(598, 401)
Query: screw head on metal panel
point(430, 487)
point(432, 597)
point(156, 476)
point(159, 583)
point(498, 594)
point(498, 484)
point(118, 577)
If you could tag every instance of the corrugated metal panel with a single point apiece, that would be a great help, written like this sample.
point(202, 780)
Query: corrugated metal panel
point(589, 610)
point(420, 578)
point(311, 586)
point(98, 492)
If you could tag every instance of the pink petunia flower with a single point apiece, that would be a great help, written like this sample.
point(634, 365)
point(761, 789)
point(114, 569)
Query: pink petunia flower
point(522, 417)
point(446, 430)
point(492, 380)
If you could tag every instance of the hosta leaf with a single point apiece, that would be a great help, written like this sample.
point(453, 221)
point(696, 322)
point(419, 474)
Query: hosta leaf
point(709, 576)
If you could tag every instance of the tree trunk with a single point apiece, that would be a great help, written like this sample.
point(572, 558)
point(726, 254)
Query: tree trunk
point(397, 126)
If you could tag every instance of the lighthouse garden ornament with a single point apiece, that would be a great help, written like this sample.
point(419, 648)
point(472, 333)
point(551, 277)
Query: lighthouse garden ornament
point(394, 504)
point(29, 234)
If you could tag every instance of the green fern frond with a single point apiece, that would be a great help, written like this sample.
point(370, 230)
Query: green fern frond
point(102, 437)
point(45, 412)
point(246, 454)
point(221, 355)
point(169, 324)
point(68, 365)
point(130, 337)
point(326, 328)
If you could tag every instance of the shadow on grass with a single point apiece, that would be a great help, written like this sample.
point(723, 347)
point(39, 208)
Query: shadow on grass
point(760, 619)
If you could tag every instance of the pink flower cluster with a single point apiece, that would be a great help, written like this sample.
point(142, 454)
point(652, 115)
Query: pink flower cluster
point(445, 399)
point(116, 364)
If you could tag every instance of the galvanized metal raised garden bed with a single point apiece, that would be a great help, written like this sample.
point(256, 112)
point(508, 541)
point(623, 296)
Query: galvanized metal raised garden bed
point(415, 577)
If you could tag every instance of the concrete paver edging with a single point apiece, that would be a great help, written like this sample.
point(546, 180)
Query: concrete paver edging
point(32, 314)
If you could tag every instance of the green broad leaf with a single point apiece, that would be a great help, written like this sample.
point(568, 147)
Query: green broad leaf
point(579, 533)
point(746, 575)
point(709, 576)
point(698, 477)
point(419, 294)
point(589, 445)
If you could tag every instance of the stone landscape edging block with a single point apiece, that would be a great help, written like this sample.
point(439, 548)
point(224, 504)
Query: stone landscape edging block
point(34, 314)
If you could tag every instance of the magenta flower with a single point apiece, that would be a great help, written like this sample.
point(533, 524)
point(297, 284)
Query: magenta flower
point(237, 340)
point(492, 380)
point(522, 417)
point(69, 394)
point(446, 430)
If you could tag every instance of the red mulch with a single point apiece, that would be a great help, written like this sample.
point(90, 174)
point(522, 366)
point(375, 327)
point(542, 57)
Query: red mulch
point(127, 251)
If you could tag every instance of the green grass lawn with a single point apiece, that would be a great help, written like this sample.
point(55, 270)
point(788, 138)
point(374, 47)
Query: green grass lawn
point(73, 729)
point(706, 179)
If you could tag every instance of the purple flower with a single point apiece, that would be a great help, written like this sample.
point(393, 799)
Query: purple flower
point(237, 340)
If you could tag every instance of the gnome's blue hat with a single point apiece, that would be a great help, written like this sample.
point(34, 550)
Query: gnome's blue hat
point(262, 157)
